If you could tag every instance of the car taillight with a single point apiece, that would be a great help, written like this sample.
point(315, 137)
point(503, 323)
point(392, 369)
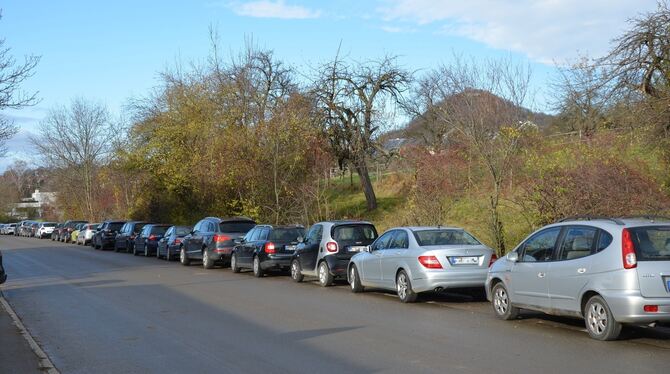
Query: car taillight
point(152, 237)
point(331, 247)
point(628, 250)
point(219, 238)
point(651, 308)
point(493, 259)
point(430, 262)
point(177, 241)
point(270, 247)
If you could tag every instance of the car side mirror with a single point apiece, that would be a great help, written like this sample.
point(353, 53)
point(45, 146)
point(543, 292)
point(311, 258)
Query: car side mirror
point(513, 256)
point(368, 248)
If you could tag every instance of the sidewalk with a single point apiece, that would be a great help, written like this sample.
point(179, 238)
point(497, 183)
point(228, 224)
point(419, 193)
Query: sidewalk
point(16, 356)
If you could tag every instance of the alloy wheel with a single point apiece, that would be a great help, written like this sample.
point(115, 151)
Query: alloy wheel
point(500, 301)
point(402, 286)
point(597, 318)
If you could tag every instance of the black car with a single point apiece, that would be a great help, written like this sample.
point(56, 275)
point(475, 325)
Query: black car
point(65, 234)
point(168, 246)
point(125, 239)
point(146, 242)
point(105, 237)
point(265, 248)
point(3, 275)
point(212, 240)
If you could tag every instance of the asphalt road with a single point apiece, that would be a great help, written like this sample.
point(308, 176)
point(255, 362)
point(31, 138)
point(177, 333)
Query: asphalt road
point(106, 312)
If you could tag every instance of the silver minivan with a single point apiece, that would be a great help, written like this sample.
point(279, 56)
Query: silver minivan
point(608, 271)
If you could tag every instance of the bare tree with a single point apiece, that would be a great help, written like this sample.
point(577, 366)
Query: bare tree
point(352, 97)
point(483, 104)
point(76, 140)
point(12, 76)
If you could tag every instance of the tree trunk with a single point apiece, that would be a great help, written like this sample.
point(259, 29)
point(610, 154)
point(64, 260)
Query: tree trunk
point(368, 190)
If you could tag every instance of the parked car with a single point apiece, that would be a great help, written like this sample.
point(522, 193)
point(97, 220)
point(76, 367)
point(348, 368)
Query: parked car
point(168, 246)
point(75, 233)
point(19, 225)
point(608, 271)
point(212, 240)
point(86, 233)
point(3, 228)
point(125, 239)
point(146, 242)
point(327, 248)
point(105, 236)
point(55, 235)
point(10, 229)
point(34, 227)
point(65, 234)
point(45, 229)
point(266, 248)
point(24, 227)
point(3, 274)
point(412, 260)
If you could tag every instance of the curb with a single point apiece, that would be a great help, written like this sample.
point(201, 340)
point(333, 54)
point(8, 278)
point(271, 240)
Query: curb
point(45, 363)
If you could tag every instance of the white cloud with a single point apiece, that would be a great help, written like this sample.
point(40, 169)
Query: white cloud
point(273, 9)
point(544, 30)
point(397, 29)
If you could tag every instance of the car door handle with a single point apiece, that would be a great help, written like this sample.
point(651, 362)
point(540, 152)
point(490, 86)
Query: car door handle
point(581, 270)
point(541, 275)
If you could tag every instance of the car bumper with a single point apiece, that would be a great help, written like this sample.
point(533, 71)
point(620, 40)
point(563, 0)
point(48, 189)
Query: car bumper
point(221, 254)
point(628, 307)
point(338, 267)
point(431, 280)
point(278, 261)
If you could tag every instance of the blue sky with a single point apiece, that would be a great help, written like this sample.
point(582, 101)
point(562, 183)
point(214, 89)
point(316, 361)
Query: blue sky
point(112, 51)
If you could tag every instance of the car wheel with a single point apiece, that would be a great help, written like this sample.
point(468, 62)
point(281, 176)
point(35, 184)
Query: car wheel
point(600, 322)
point(258, 271)
point(135, 252)
point(233, 263)
point(404, 288)
point(168, 255)
point(128, 248)
point(158, 253)
point(502, 305)
point(354, 280)
point(146, 250)
point(296, 272)
point(183, 257)
point(325, 278)
point(207, 261)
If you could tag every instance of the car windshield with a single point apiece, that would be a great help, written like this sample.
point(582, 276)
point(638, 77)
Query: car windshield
point(357, 233)
point(444, 237)
point(182, 231)
point(236, 226)
point(286, 235)
point(159, 230)
point(652, 243)
point(49, 224)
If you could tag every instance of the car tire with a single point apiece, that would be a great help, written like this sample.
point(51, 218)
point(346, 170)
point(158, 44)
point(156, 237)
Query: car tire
point(135, 252)
point(146, 250)
point(233, 263)
point(502, 304)
point(600, 322)
point(158, 253)
point(256, 267)
point(325, 278)
point(296, 271)
point(168, 255)
point(404, 288)
point(355, 280)
point(207, 261)
point(183, 257)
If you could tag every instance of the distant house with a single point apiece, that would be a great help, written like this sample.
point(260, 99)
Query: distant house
point(35, 204)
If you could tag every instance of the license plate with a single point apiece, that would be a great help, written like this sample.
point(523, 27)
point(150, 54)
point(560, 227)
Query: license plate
point(290, 247)
point(464, 260)
point(356, 248)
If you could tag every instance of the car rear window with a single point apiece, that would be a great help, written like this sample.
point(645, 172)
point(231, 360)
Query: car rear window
point(652, 243)
point(286, 235)
point(357, 233)
point(49, 225)
point(236, 226)
point(444, 237)
point(181, 231)
point(115, 226)
point(160, 230)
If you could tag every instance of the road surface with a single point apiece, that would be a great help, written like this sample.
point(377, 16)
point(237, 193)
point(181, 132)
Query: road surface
point(104, 312)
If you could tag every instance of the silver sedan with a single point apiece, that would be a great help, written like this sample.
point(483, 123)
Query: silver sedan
point(412, 260)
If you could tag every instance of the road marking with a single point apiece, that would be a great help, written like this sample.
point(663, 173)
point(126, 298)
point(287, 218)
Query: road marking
point(45, 363)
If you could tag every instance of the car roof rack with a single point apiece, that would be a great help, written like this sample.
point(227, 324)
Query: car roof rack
point(649, 217)
point(591, 218)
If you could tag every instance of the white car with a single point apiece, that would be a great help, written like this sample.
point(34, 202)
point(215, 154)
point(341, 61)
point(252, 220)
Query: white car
point(86, 233)
point(45, 229)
